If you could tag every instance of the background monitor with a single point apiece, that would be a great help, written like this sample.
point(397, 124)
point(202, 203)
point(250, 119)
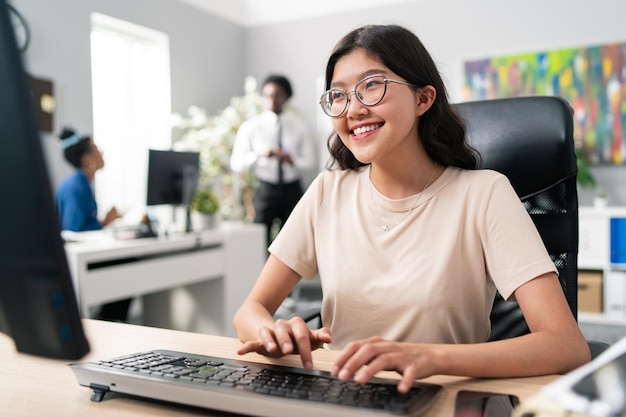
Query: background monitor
point(172, 178)
point(38, 306)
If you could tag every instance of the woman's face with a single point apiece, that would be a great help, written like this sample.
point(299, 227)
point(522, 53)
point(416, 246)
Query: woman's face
point(383, 131)
point(93, 159)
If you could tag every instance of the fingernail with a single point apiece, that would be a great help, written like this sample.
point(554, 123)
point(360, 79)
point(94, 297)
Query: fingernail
point(344, 374)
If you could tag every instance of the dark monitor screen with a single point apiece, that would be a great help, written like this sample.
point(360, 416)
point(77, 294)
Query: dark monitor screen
point(172, 177)
point(38, 306)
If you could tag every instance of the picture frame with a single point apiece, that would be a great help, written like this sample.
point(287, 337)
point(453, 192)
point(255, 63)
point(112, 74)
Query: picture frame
point(592, 79)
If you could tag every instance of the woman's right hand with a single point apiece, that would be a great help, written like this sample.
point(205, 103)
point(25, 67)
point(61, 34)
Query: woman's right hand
point(287, 337)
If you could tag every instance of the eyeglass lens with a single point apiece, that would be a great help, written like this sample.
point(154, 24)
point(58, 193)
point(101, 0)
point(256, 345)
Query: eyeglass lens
point(369, 91)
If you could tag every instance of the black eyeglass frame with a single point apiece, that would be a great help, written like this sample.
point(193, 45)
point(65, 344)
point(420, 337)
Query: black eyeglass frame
point(356, 86)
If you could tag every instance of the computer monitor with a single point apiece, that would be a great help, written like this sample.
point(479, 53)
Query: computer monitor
point(172, 179)
point(38, 306)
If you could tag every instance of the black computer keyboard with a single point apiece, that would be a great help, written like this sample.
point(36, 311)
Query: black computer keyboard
point(249, 388)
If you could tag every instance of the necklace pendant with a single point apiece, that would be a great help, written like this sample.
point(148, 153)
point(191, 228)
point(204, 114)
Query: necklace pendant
point(386, 228)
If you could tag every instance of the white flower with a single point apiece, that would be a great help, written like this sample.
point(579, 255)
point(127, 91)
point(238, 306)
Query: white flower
point(214, 135)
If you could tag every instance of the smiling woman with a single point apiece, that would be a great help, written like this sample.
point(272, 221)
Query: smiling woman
point(427, 238)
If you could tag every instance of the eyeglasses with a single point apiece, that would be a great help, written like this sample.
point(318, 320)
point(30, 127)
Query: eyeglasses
point(369, 91)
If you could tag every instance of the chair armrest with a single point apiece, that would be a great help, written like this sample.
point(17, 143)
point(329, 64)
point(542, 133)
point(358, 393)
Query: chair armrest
point(596, 348)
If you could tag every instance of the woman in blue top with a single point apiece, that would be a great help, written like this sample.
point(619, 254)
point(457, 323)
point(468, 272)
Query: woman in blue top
point(76, 203)
point(75, 200)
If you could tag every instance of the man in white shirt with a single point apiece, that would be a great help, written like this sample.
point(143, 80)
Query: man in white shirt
point(276, 145)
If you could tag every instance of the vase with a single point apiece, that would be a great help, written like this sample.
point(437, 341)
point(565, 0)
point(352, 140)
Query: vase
point(202, 221)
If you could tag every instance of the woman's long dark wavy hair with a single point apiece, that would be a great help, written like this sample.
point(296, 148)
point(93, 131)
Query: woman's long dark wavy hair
point(441, 129)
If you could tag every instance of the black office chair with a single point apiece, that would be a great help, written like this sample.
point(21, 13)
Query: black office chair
point(530, 140)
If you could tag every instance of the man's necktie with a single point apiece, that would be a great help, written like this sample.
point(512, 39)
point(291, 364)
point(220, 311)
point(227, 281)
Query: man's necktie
point(280, 160)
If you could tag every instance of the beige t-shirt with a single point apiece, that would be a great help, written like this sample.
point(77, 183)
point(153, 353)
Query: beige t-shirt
point(429, 279)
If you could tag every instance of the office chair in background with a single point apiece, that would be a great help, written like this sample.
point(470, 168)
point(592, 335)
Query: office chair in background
point(530, 140)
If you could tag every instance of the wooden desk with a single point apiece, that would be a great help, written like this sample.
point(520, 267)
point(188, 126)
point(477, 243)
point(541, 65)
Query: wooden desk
point(32, 386)
point(192, 282)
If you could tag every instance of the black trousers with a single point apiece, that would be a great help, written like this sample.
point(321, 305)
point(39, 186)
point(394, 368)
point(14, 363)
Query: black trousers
point(275, 202)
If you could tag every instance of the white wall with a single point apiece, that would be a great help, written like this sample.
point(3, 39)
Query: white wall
point(453, 31)
point(210, 56)
point(206, 57)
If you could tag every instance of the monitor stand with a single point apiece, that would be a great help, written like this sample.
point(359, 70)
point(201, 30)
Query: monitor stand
point(190, 183)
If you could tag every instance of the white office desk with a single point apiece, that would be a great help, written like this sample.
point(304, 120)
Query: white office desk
point(192, 282)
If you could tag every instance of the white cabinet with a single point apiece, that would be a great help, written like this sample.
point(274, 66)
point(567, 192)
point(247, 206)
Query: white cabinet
point(191, 282)
point(594, 238)
point(594, 254)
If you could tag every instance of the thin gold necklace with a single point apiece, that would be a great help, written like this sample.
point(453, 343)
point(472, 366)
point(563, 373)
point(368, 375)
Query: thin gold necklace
point(387, 227)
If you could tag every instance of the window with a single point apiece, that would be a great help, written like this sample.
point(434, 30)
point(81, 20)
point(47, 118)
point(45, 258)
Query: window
point(131, 108)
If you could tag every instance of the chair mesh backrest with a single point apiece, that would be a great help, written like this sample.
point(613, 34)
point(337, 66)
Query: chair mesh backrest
point(530, 140)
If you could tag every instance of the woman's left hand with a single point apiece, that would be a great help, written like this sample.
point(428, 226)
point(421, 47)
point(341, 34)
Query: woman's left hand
point(364, 358)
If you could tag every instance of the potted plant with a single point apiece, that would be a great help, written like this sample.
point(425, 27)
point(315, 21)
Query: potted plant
point(214, 136)
point(204, 205)
point(585, 178)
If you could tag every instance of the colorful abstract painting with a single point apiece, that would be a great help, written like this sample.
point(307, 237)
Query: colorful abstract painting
point(591, 79)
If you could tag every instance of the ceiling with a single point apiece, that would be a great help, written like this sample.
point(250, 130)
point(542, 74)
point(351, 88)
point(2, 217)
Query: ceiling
point(264, 12)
